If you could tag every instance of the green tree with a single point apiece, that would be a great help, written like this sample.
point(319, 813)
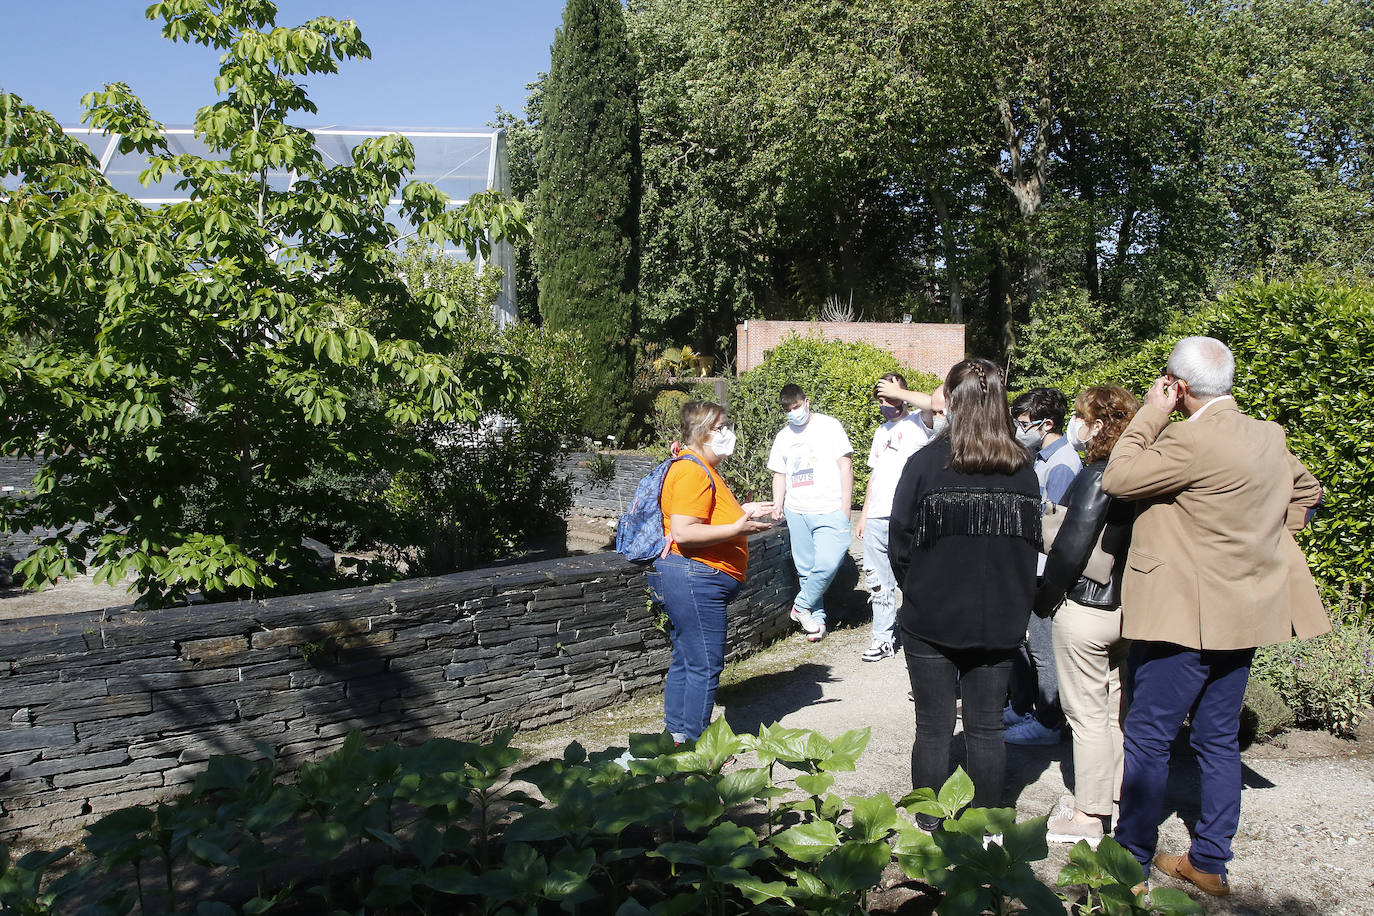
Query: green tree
point(588, 202)
point(185, 371)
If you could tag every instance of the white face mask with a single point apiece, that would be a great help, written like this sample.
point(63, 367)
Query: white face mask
point(941, 421)
point(722, 442)
point(798, 416)
point(1076, 439)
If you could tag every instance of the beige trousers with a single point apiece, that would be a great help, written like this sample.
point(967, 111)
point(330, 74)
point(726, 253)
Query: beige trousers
point(1090, 656)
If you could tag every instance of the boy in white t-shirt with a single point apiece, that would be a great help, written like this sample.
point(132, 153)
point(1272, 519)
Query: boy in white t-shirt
point(897, 439)
point(813, 486)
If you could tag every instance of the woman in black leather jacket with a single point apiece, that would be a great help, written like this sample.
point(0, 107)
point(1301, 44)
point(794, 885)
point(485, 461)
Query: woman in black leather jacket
point(1081, 589)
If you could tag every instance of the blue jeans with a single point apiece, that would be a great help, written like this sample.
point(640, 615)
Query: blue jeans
point(882, 585)
point(819, 543)
point(695, 597)
point(1169, 682)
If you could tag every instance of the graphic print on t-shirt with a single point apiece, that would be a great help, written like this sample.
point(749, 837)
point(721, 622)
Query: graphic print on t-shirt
point(803, 473)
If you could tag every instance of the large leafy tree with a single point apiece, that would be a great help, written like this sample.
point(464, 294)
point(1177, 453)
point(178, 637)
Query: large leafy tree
point(184, 371)
point(1128, 155)
point(588, 202)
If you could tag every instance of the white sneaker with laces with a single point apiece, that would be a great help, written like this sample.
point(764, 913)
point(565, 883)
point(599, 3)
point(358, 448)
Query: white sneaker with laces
point(1062, 827)
point(817, 635)
point(1032, 732)
point(880, 650)
point(805, 620)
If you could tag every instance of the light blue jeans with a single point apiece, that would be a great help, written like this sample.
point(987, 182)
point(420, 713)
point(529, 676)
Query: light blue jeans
point(819, 543)
point(882, 585)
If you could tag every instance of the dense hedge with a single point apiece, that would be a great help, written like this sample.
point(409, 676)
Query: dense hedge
point(837, 376)
point(1305, 359)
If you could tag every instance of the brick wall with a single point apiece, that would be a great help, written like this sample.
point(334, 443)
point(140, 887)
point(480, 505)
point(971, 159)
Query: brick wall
point(933, 348)
point(107, 709)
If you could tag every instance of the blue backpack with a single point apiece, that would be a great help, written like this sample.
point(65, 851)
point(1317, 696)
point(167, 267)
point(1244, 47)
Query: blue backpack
point(639, 533)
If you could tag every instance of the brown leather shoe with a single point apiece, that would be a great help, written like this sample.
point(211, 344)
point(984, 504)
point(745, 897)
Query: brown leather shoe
point(1180, 867)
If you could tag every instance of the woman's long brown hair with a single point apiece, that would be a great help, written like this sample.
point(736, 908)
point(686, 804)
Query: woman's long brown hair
point(1112, 405)
point(981, 432)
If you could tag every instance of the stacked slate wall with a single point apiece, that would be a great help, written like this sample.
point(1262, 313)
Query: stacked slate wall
point(16, 479)
point(107, 709)
point(608, 499)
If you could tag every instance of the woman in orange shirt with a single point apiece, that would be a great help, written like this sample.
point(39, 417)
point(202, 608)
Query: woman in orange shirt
point(708, 531)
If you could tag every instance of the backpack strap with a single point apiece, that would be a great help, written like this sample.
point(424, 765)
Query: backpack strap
point(710, 478)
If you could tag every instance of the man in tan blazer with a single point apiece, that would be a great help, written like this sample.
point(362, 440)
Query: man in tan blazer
point(1213, 572)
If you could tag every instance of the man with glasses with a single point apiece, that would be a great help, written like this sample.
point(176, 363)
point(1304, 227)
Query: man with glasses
point(1034, 715)
point(1213, 572)
point(813, 487)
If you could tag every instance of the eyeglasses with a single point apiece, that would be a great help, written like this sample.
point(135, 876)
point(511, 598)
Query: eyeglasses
point(1027, 425)
point(723, 424)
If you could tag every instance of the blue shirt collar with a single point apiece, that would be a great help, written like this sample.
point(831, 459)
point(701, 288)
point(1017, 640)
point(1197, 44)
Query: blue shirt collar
point(1045, 453)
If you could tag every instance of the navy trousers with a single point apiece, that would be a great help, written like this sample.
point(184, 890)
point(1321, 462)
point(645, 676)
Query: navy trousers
point(1169, 683)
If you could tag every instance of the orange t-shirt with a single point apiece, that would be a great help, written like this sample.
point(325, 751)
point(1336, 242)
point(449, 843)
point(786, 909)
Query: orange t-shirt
point(686, 491)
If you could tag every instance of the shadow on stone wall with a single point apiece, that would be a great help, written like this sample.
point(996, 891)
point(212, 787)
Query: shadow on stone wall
point(107, 709)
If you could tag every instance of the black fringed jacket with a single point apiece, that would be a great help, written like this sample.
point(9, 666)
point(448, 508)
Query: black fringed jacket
point(963, 547)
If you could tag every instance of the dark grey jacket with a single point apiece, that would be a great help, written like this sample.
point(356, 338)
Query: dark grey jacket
point(1091, 512)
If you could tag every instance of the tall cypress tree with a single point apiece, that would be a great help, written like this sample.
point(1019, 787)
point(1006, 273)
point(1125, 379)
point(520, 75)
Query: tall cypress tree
point(587, 241)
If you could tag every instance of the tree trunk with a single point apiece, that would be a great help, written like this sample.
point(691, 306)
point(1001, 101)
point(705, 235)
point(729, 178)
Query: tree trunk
point(951, 248)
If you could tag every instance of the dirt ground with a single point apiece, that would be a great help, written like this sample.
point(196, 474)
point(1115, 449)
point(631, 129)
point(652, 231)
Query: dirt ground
point(1306, 837)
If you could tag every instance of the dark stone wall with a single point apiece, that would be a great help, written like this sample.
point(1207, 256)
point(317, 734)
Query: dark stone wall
point(16, 478)
point(107, 709)
point(610, 499)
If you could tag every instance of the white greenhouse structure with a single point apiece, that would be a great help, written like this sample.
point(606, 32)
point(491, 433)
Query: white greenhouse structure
point(459, 163)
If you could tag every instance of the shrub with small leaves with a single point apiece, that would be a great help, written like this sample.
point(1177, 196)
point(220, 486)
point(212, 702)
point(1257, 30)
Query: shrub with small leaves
point(1264, 713)
point(1328, 681)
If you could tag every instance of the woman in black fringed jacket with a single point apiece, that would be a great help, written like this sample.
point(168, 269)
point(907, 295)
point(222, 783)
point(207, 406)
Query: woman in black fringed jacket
point(965, 534)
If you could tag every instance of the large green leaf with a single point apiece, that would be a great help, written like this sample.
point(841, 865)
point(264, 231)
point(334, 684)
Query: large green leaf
point(855, 866)
point(873, 817)
point(808, 842)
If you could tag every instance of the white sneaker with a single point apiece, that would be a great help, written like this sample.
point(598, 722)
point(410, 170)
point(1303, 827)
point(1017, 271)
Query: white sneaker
point(1063, 828)
point(805, 620)
point(1011, 717)
point(880, 650)
point(1032, 732)
point(817, 635)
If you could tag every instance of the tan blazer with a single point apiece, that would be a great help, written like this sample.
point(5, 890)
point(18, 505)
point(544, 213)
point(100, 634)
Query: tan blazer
point(1213, 563)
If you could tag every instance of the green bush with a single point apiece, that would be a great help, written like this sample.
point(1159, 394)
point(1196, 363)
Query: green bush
point(1264, 713)
point(485, 491)
point(1067, 329)
point(837, 376)
point(1305, 359)
point(1328, 681)
point(447, 827)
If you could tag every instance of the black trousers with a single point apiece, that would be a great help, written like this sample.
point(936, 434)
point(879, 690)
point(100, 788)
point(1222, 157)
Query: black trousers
point(980, 675)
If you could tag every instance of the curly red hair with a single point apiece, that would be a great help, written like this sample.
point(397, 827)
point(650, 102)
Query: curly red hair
point(1114, 406)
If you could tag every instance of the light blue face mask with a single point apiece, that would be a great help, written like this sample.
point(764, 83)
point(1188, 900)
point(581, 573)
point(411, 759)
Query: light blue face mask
point(798, 416)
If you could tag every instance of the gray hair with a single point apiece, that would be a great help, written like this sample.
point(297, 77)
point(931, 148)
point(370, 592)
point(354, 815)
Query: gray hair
point(1205, 363)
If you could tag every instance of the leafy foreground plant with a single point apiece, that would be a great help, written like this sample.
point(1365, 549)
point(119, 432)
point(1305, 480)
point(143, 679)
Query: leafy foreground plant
point(446, 827)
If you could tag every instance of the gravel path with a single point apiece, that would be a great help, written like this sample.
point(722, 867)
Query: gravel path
point(1307, 827)
point(1306, 839)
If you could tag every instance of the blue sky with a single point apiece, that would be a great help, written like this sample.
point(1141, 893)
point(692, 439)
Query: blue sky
point(434, 63)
